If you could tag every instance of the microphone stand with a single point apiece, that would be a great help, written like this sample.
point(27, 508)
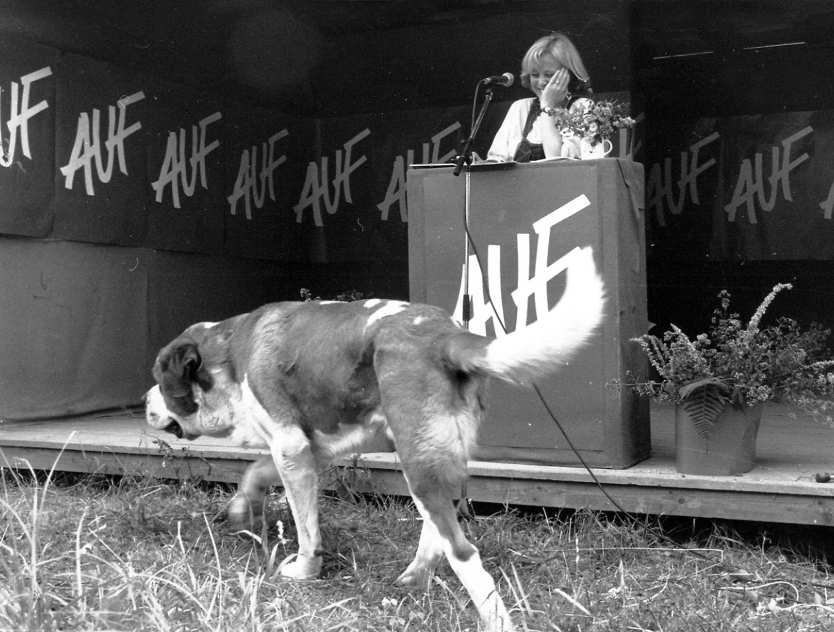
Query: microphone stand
point(464, 158)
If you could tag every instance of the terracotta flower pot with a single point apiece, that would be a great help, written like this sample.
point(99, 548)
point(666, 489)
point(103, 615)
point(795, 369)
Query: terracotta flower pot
point(728, 448)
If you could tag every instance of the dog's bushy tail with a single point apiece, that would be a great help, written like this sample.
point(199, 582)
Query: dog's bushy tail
point(547, 344)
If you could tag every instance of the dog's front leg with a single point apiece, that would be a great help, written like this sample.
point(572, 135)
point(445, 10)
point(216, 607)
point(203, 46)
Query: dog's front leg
point(296, 464)
point(247, 505)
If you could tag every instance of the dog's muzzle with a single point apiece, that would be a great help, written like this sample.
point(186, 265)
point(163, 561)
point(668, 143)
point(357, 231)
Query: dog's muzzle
point(175, 429)
point(159, 417)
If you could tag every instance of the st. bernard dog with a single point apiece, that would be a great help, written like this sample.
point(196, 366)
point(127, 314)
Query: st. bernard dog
point(310, 381)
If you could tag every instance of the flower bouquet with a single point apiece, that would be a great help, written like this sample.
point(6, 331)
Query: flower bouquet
point(590, 127)
point(598, 120)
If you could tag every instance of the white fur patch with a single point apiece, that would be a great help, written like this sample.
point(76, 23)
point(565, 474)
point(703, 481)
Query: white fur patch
point(202, 325)
point(156, 412)
point(388, 309)
point(371, 303)
point(354, 438)
point(217, 413)
point(247, 435)
point(254, 426)
point(454, 433)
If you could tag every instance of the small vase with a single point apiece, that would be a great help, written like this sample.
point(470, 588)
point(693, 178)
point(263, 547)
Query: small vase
point(729, 448)
point(590, 148)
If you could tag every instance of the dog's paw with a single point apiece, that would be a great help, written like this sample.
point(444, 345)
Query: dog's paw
point(415, 577)
point(300, 567)
point(244, 513)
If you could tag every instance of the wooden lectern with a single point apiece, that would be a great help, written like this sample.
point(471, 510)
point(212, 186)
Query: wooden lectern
point(525, 221)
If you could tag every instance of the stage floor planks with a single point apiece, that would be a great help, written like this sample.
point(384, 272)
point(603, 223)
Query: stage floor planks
point(781, 488)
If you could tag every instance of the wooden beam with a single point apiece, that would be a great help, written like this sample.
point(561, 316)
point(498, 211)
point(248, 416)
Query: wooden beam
point(702, 496)
point(780, 489)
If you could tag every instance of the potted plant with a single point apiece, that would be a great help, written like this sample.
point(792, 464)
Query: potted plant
point(720, 380)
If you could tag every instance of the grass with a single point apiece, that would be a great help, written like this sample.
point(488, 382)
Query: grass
point(96, 553)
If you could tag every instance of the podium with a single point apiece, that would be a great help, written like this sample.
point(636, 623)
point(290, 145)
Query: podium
point(525, 220)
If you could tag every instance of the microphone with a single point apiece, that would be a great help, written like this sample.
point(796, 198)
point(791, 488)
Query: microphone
point(505, 80)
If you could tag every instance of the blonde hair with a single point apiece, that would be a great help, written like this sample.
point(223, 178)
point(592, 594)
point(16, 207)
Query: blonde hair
point(559, 47)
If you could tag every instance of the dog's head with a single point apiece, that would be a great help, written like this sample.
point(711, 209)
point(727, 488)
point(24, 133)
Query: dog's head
point(190, 397)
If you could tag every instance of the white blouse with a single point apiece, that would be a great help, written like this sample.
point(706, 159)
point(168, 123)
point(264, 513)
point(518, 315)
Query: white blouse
point(509, 134)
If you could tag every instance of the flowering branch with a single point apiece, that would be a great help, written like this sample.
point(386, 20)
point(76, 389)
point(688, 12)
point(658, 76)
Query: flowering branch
point(743, 365)
point(753, 325)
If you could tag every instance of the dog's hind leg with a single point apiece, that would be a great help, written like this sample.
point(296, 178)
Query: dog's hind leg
point(429, 554)
point(437, 508)
point(434, 421)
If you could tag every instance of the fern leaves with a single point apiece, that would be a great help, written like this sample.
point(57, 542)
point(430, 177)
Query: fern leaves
point(704, 400)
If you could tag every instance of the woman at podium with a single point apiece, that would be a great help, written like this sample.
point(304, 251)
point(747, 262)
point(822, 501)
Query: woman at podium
point(553, 70)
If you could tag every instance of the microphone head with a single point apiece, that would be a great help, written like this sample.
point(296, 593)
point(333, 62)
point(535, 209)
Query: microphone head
point(505, 80)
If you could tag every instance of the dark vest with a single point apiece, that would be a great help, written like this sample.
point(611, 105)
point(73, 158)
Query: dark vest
point(527, 151)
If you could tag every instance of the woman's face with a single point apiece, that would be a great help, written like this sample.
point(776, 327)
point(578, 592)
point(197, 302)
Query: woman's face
point(541, 73)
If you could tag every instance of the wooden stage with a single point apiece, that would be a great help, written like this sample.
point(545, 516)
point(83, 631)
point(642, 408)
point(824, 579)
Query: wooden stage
point(782, 488)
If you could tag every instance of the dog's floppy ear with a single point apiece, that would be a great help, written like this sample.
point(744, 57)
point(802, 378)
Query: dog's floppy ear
point(177, 367)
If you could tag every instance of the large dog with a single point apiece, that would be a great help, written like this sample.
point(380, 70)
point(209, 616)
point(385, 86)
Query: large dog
point(310, 381)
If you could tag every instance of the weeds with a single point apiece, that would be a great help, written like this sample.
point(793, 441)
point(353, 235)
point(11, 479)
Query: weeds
point(131, 554)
